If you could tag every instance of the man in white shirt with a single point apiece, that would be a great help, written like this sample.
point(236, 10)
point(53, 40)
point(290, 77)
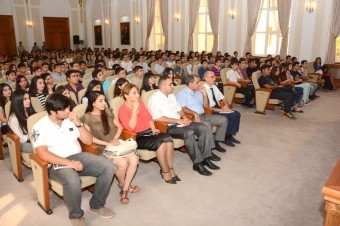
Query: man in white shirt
point(190, 66)
point(234, 77)
point(215, 96)
point(57, 75)
point(159, 66)
point(126, 64)
point(164, 107)
point(54, 138)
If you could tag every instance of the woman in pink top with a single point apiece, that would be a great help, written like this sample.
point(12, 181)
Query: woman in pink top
point(135, 118)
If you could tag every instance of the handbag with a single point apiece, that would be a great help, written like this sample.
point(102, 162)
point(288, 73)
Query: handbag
point(125, 148)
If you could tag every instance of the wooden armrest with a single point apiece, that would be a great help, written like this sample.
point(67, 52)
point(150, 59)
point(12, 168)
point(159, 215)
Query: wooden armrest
point(13, 137)
point(43, 164)
point(230, 84)
point(264, 90)
point(127, 135)
point(208, 111)
point(157, 75)
point(244, 84)
point(92, 148)
point(163, 127)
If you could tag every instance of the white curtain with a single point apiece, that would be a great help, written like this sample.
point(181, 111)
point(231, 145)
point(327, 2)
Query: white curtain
point(253, 18)
point(150, 9)
point(283, 8)
point(164, 18)
point(334, 32)
point(193, 12)
point(214, 12)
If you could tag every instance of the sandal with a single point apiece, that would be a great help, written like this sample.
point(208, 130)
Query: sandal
point(124, 197)
point(289, 115)
point(133, 189)
point(176, 178)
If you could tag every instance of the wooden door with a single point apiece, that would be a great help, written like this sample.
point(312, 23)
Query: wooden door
point(7, 36)
point(57, 33)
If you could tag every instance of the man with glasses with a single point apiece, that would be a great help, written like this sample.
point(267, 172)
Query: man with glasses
point(215, 96)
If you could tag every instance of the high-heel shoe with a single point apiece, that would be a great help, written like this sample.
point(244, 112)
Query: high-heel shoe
point(175, 178)
point(171, 181)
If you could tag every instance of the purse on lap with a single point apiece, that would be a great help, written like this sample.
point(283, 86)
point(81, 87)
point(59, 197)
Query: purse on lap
point(125, 148)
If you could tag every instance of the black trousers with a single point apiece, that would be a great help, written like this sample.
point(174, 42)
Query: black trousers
point(247, 95)
point(233, 122)
point(287, 97)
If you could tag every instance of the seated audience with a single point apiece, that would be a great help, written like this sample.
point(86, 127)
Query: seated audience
point(121, 82)
point(278, 91)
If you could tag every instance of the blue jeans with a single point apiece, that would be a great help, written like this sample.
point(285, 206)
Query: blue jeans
point(93, 165)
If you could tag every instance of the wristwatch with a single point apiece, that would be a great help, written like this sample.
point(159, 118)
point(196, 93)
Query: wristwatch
point(80, 125)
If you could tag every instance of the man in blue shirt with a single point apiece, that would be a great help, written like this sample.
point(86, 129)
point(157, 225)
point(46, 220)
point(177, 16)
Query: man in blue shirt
point(193, 99)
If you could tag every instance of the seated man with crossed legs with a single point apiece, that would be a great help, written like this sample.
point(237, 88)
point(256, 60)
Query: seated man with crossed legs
point(215, 96)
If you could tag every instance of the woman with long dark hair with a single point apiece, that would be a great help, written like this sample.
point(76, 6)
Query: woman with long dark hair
point(5, 97)
point(106, 130)
point(21, 109)
point(149, 83)
point(121, 82)
point(94, 85)
point(169, 72)
point(38, 89)
point(21, 82)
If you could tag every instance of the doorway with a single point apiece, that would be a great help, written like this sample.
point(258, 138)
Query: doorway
point(57, 33)
point(7, 36)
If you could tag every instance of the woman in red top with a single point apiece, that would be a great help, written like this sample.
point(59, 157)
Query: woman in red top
point(135, 118)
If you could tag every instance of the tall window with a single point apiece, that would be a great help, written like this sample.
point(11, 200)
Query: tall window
point(267, 37)
point(157, 39)
point(203, 32)
point(337, 50)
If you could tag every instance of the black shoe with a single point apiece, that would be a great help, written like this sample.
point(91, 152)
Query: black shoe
point(209, 164)
point(219, 148)
point(201, 170)
point(233, 139)
point(214, 157)
point(229, 143)
point(171, 181)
